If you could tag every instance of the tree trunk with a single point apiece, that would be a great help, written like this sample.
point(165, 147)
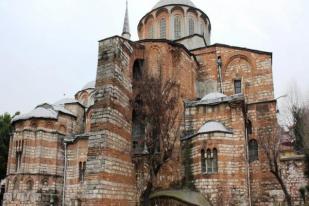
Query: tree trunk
point(284, 189)
point(146, 194)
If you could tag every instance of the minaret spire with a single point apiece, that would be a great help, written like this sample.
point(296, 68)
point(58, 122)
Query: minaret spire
point(126, 26)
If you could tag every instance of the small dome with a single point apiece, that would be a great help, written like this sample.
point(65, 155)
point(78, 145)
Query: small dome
point(170, 2)
point(214, 95)
point(66, 101)
point(89, 85)
point(38, 112)
point(213, 126)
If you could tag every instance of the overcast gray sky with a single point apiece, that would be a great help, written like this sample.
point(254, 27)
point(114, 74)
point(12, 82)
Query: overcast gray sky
point(48, 48)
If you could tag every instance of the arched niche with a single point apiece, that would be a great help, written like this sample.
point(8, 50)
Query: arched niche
point(178, 9)
point(163, 22)
point(237, 70)
point(237, 59)
point(150, 30)
point(137, 71)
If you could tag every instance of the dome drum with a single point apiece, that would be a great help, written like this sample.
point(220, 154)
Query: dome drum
point(174, 20)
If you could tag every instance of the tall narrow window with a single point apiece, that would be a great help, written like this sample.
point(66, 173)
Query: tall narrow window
point(237, 86)
point(215, 160)
point(163, 28)
point(191, 26)
point(137, 70)
point(249, 127)
point(29, 185)
point(203, 161)
point(177, 27)
point(151, 32)
point(138, 129)
point(209, 161)
point(202, 29)
point(82, 170)
point(19, 152)
point(16, 184)
point(253, 150)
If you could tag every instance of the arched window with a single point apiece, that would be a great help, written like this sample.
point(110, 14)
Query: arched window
point(203, 161)
point(191, 26)
point(215, 160)
point(16, 184)
point(163, 28)
point(44, 182)
point(29, 185)
point(202, 29)
point(177, 27)
point(138, 132)
point(253, 150)
point(151, 32)
point(209, 161)
point(82, 170)
point(137, 69)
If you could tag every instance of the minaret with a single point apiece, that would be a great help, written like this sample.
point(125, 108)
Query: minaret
point(126, 26)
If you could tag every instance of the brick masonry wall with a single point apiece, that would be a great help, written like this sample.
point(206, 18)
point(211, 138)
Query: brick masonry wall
point(230, 182)
point(109, 175)
point(41, 169)
point(76, 153)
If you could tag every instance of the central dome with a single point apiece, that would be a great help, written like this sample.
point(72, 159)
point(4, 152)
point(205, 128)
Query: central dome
point(170, 2)
point(176, 20)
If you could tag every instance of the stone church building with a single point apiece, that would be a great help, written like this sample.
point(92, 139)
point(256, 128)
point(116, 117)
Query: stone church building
point(80, 151)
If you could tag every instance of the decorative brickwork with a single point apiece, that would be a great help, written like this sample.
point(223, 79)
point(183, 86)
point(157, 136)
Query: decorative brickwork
point(80, 151)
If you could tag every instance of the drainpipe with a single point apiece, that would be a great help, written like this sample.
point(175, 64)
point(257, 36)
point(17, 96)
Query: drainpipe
point(64, 174)
point(247, 153)
point(219, 63)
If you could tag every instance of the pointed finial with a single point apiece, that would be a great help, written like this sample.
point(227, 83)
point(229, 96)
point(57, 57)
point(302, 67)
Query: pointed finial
point(126, 26)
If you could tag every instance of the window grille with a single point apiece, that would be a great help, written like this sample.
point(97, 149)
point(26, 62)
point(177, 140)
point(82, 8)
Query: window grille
point(163, 28)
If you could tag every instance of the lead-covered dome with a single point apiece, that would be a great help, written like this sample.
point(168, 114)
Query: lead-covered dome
point(171, 2)
point(177, 20)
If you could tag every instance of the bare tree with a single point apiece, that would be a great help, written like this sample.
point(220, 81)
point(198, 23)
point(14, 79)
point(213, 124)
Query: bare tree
point(270, 143)
point(156, 103)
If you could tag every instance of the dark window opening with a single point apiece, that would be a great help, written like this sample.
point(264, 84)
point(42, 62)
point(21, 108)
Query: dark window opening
point(203, 161)
point(29, 185)
point(249, 127)
point(215, 161)
point(82, 170)
point(138, 133)
point(137, 70)
point(18, 160)
point(19, 152)
point(16, 184)
point(237, 86)
point(253, 150)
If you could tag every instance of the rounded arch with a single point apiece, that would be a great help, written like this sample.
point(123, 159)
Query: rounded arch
point(137, 71)
point(231, 58)
point(179, 9)
point(163, 22)
point(29, 184)
point(161, 11)
point(148, 18)
point(149, 29)
point(44, 182)
point(192, 12)
point(16, 182)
